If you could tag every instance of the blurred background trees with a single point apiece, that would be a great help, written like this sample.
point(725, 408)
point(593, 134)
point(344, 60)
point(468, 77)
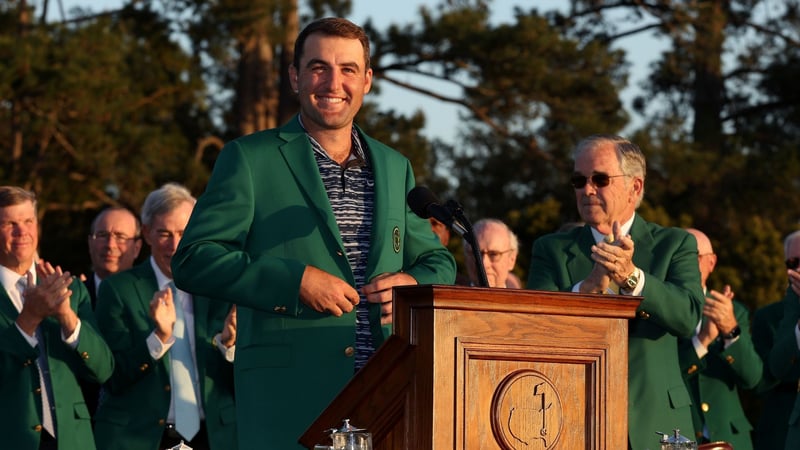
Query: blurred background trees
point(100, 109)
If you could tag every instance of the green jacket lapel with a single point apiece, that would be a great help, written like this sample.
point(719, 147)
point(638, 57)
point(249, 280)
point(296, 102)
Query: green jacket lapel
point(578, 255)
point(299, 158)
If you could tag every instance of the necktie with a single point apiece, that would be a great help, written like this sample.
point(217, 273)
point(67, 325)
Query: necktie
point(43, 366)
point(187, 414)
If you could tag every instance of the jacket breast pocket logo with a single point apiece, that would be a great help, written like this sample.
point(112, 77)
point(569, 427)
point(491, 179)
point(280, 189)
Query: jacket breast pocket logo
point(396, 239)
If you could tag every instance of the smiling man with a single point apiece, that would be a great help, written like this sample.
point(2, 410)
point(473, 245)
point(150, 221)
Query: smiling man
point(306, 228)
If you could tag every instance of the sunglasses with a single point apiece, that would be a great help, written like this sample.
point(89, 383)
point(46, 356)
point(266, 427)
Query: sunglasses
point(600, 180)
point(793, 263)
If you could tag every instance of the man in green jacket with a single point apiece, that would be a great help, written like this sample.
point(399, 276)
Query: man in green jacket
point(784, 359)
point(618, 252)
point(48, 340)
point(142, 404)
point(306, 228)
point(777, 396)
point(719, 359)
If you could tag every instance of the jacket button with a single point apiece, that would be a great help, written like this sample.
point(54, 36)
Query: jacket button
point(161, 422)
point(730, 359)
point(644, 314)
point(37, 428)
point(339, 252)
point(85, 355)
point(692, 369)
point(167, 387)
point(705, 407)
point(349, 351)
point(27, 363)
point(37, 391)
point(143, 367)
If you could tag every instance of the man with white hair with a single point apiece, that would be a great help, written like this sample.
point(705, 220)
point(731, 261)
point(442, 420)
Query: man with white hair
point(499, 247)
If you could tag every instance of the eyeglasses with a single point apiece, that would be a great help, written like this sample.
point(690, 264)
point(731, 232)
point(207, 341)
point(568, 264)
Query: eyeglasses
point(600, 180)
point(793, 263)
point(494, 255)
point(119, 238)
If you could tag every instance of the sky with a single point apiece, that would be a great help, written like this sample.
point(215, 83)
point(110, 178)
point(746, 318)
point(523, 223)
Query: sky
point(442, 120)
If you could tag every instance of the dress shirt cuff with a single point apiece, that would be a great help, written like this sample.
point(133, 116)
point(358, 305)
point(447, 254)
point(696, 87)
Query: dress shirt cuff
point(228, 353)
point(31, 339)
point(699, 348)
point(72, 339)
point(157, 348)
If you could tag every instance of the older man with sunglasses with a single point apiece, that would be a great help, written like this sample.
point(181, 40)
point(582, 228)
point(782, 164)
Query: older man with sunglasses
point(618, 252)
point(784, 359)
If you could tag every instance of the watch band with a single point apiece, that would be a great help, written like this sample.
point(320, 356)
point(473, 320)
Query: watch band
point(735, 332)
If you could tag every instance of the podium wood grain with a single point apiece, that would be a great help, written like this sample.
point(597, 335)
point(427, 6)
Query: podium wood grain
point(481, 368)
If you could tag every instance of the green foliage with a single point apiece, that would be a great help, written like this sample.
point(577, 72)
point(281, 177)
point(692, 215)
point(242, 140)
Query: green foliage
point(96, 107)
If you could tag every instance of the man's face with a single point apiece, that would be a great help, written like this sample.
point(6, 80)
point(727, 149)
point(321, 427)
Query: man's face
point(601, 206)
point(164, 234)
point(794, 250)
point(331, 82)
point(19, 236)
point(114, 245)
point(498, 256)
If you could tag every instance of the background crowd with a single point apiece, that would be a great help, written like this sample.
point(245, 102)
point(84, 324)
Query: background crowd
point(226, 272)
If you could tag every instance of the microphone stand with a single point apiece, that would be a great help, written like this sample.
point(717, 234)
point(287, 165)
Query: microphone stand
point(469, 236)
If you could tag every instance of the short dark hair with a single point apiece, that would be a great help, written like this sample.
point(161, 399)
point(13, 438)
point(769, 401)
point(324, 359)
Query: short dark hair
point(14, 195)
point(331, 26)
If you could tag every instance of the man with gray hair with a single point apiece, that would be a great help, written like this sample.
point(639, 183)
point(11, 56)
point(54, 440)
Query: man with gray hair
point(174, 351)
point(618, 252)
point(499, 247)
point(784, 357)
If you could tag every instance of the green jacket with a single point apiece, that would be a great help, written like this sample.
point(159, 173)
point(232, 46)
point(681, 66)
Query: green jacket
point(784, 361)
point(657, 396)
point(713, 382)
point(776, 396)
point(133, 410)
point(21, 414)
point(264, 216)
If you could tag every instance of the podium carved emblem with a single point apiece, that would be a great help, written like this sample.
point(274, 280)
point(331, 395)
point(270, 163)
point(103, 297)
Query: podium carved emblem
point(526, 412)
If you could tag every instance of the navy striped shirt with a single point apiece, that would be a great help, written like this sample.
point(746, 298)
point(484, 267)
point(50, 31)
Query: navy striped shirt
point(351, 193)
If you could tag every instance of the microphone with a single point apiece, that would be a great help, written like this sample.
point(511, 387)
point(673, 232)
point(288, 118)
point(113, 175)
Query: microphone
point(425, 204)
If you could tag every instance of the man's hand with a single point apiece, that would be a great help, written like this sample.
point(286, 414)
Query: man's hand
point(49, 298)
point(324, 292)
point(613, 259)
point(718, 308)
point(615, 256)
point(162, 311)
point(228, 335)
point(794, 280)
point(708, 332)
point(379, 290)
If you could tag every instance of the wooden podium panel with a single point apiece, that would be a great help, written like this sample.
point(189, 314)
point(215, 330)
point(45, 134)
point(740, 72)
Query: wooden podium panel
point(481, 368)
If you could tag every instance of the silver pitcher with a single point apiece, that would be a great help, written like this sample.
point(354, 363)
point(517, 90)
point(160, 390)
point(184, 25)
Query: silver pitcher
point(676, 441)
point(348, 438)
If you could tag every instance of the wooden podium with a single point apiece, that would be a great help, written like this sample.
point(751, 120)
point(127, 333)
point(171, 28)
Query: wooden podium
point(480, 368)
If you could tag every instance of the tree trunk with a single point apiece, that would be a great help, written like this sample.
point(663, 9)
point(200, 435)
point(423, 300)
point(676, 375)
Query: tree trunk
point(708, 83)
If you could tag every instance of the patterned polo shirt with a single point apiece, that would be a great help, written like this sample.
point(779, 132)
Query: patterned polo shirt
point(351, 192)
